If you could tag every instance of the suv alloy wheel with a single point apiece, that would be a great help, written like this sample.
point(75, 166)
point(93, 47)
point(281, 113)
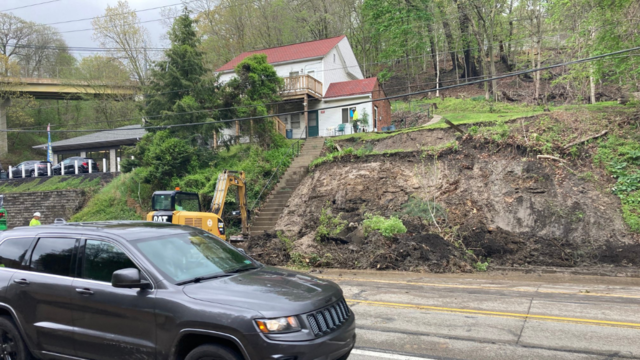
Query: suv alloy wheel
point(11, 344)
point(213, 352)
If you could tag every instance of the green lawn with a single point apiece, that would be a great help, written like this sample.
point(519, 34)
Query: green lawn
point(472, 111)
point(51, 184)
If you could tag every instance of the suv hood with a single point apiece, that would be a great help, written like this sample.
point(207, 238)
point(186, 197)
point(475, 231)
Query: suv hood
point(270, 291)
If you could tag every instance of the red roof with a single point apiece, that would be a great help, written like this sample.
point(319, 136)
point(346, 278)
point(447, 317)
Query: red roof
point(350, 88)
point(305, 50)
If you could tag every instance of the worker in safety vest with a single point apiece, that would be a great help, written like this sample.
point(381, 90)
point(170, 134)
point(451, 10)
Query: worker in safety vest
point(36, 220)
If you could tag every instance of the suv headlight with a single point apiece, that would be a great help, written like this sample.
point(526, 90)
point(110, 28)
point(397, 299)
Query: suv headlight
point(279, 325)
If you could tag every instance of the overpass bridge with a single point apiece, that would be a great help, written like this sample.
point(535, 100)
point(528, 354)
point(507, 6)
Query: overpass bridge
point(53, 89)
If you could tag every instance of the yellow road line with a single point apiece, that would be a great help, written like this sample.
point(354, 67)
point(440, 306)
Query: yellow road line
point(499, 314)
point(545, 291)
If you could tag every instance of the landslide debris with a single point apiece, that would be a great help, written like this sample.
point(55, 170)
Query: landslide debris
point(490, 201)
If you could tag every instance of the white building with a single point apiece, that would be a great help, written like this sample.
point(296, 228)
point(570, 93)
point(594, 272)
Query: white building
point(320, 74)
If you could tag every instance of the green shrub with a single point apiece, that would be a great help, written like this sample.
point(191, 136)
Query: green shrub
point(481, 266)
point(329, 225)
point(620, 156)
point(478, 98)
point(386, 227)
point(365, 150)
point(424, 210)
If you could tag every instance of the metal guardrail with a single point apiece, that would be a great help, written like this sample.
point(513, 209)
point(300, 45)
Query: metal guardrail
point(295, 149)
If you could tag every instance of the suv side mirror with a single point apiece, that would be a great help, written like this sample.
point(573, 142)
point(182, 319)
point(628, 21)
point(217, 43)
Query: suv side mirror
point(128, 279)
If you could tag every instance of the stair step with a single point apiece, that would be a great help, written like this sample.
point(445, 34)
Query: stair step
point(269, 214)
point(265, 223)
point(261, 228)
point(270, 217)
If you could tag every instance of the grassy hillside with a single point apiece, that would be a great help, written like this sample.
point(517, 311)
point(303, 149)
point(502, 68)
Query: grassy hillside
point(53, 183)
point(614, 159)
point(127, 198)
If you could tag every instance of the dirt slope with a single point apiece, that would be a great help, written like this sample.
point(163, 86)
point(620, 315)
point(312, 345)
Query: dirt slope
point(500, 204)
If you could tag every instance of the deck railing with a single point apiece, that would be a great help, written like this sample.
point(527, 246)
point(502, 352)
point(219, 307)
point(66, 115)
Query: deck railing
point(300, 85)
point(280, 126)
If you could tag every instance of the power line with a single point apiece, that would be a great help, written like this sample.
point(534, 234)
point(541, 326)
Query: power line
point(331, 69)
point(32, 5)
point(164, 127)
point(105, 16)
point(150, 21)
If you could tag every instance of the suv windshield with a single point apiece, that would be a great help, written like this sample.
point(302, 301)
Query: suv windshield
point(191, 256)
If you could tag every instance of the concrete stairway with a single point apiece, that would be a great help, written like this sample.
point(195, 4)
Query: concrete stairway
point(276, 202)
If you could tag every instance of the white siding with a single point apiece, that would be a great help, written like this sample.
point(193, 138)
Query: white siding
point(333, 117)
point(350, 58)
point(283, 70)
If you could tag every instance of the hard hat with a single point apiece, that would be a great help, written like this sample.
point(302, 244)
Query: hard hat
point(37, 214)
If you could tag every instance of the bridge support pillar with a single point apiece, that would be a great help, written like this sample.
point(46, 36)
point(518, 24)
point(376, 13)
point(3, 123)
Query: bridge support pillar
point(4, 146)
point(112, 161)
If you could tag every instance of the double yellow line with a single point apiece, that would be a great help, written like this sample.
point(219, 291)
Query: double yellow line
point(499, 314)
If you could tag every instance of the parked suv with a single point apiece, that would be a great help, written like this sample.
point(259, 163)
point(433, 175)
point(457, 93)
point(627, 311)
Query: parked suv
point(30, 168)
point(70, 166)
point(124, 290)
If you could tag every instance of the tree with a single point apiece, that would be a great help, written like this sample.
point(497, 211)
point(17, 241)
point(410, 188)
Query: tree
point(14, 32)
point(120, 29)
point(256, 84)
point(178, 85)
point(103, 74)
point(399, 25)
point(486, 18)
point(44, 53)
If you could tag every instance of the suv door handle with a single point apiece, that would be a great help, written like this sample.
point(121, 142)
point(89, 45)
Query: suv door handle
point(21, 281)
point(84, 291)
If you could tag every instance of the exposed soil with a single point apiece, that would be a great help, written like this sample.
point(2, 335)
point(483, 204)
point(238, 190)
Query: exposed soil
point(416, 252)
point(500, 204)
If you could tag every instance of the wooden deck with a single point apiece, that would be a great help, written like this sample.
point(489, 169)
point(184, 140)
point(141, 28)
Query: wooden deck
point(298, 86)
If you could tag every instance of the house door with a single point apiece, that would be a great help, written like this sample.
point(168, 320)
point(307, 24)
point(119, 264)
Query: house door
point(375, 118)
point(314, 128)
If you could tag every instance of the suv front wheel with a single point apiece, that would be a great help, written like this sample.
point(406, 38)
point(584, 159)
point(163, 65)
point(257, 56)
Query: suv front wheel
point(213, 352)
point(11, 344)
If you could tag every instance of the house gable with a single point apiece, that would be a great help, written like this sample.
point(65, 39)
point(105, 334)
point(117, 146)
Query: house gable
point(288, 53)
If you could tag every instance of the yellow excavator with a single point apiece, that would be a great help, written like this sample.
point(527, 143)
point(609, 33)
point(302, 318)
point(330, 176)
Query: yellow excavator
point(183, 208)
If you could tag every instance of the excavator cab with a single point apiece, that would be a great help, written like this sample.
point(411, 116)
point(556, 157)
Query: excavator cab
point(183, 208)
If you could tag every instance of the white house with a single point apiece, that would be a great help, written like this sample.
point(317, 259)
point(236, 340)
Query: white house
point(320, 74)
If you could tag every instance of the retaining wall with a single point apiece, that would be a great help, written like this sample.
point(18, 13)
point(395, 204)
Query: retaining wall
point(51, 204)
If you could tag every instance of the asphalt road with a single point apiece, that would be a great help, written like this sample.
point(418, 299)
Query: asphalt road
point(408, 316)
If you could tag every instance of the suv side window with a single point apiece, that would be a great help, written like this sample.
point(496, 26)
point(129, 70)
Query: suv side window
point(53, 256)
point(102, 259)
point(13, 251)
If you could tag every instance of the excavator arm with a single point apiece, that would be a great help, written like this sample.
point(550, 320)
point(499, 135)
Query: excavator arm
point(225, 180)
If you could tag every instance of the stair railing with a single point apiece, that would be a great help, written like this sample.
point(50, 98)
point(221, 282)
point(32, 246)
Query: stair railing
point(295, 150)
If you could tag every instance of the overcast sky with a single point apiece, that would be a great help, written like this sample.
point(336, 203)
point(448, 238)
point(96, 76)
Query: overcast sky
point(64, 10)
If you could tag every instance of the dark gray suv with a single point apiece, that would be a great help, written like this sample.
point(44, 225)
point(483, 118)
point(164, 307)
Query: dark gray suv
point(138, 290)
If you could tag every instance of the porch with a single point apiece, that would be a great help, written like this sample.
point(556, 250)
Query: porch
point(300, 87)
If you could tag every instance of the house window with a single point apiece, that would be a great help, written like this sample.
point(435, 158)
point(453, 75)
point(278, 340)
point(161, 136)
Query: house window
point(347, 115)
point(295, 121)
point(311, 73)
point(294, 73)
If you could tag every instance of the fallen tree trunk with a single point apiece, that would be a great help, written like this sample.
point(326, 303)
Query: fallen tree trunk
point(549, 157)
point(454, 126)
point(586, 139)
